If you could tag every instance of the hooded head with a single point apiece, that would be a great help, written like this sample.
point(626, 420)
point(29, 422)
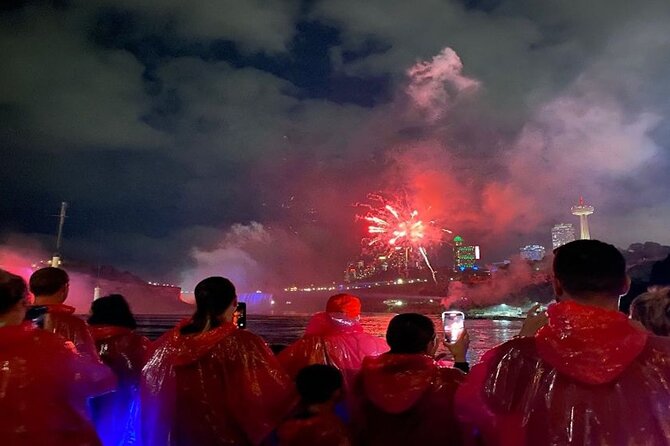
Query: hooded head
point(344, 304)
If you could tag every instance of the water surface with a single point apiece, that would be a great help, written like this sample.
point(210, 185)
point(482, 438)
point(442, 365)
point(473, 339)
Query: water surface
point(484, 333)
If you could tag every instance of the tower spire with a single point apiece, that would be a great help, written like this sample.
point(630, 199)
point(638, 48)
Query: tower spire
point(56, 260)
point(583, 210)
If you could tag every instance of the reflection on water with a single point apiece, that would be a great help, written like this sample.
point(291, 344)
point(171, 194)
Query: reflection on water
point(484, 333)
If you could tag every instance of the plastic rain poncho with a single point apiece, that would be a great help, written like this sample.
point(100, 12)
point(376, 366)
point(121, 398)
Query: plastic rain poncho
point(327, 340)
point(116, 415)
point(44, 385)
point(406, 399)
point(60, 319)
point(589, 377)
point(221, 387)
point(323, 429)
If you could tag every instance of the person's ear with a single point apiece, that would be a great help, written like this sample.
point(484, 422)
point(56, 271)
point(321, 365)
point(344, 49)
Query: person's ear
point(626, 286)
point(558, 289)
point(229, 314)
point(432, 346)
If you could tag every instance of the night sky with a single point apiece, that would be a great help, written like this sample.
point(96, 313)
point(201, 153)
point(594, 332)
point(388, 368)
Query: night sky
point(236, 137)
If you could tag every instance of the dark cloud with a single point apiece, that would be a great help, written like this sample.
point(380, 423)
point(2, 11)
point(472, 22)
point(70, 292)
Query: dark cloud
point(192, 137)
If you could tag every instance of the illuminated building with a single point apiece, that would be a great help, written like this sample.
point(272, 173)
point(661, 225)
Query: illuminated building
point(561, 234)
point(532, 252)
point(465, 256)
point(582, 210)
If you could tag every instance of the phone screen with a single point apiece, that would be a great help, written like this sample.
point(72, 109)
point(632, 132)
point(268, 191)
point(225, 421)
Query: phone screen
point(453, 324)
point(241, 315)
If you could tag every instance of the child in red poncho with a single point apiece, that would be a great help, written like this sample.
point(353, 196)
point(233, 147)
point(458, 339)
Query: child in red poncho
point(112, 326)
point(316, 423)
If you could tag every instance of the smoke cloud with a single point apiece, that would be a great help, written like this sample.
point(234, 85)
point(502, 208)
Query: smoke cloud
point(191, 142)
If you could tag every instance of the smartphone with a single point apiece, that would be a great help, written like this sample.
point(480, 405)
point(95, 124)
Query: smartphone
point(453, 323)
point(241, 315)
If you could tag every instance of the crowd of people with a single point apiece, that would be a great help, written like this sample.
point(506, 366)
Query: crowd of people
point(579, 373)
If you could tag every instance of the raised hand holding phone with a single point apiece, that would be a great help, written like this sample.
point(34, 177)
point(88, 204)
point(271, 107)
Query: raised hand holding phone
point(459, 348)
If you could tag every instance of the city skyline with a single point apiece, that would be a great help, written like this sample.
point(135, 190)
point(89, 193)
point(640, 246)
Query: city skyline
point(188, 142)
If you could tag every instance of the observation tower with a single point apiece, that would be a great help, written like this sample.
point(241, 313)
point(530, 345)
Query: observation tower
point(583, 210)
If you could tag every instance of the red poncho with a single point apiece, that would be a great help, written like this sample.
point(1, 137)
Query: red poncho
point(60, 319)
point(221, 387)
point(587, 378)
point(327, 341)
point(44, 386)
point(404, 400)
point(323, 429)
point(116, 415)
point(123, 350)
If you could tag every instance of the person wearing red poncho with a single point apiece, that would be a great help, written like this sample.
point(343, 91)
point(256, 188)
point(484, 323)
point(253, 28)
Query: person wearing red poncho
point(50, 286)
point(112, 325)
point(44, 383)
point(589, 376)
point(405, 397)
point(210, 383)
point(334, 337)
point(316, 421)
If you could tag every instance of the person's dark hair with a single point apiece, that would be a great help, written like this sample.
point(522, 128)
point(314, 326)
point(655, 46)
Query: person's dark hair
point(660, 273)
point(49, 280)
point(317, 383)
point(410, 333)
point(12, 290)
point(213, 296)
point(652, 309)
point(112, 310)
point(277, 348)
point(590, 266)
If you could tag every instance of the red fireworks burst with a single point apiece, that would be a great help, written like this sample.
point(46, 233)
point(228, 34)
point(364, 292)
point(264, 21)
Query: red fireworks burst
point(396, 228)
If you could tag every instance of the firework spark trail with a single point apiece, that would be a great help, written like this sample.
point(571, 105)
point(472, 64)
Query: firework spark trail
point(395, 226)
point(422, 250)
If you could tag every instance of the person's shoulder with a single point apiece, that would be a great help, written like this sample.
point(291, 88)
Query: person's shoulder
point(661, 343)
point(246, 337)
point(51, 342)
point(657, 350)
point(448, 374)
point(137, 338)
point(69, 319)
point(44, 336)
point(516, 347)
